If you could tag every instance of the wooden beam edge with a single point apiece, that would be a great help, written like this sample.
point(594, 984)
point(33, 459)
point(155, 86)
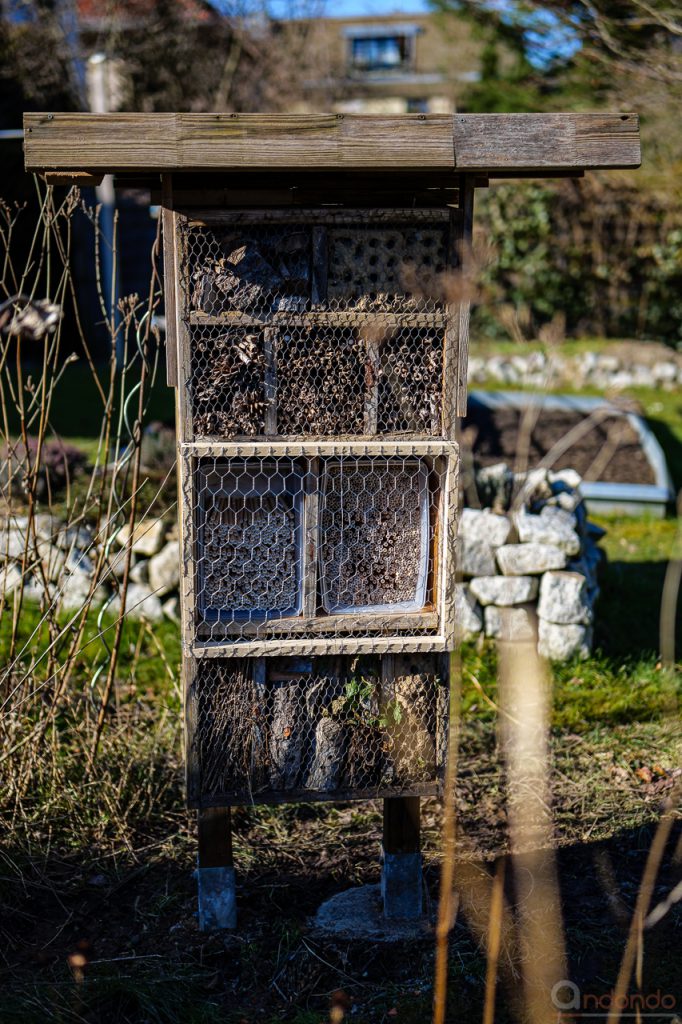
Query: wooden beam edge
point(536, 144)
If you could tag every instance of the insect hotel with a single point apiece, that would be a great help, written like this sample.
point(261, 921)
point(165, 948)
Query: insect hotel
point(317, 325)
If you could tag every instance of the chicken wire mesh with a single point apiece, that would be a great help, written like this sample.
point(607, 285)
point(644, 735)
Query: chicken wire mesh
point(329, 325)
point(318, 728)
point(297, 327)
point(317, 546)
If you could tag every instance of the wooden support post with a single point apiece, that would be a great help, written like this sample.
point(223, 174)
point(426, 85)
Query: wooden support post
point(215, 870)
point(270, 357)
point(401, 875)
point(169, 275)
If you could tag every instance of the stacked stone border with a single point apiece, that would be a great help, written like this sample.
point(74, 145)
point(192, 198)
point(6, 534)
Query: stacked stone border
point(530, 572)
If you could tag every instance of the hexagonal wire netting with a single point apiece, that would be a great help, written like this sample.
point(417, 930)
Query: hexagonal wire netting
point(311, 546)
point(316, 326)
point(316, 330)
point(310, 728)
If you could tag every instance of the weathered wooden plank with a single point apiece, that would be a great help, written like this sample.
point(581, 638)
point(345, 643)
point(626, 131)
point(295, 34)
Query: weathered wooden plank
point(536, 141)
point(81, 178)
point(311, 539)
point(191, 718)
point(367, 622)
point(119, 142)
point(449, 516)
point(309, 648)
point(298, 449)
point(270, 379)
point(323, 318)
point(169, 274)
point(315, 796)
point(372, 374)
point(325, 142)
point(466, 227)
point(331, 217)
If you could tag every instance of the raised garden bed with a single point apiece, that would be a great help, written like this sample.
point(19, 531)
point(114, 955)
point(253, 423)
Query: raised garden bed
point(620, 461)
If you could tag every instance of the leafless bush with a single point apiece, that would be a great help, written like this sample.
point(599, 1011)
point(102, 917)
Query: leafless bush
point(59, 675)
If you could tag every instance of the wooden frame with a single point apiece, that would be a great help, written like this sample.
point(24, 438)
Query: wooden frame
point(451, 318)
point(519, 143)
point(406, 626)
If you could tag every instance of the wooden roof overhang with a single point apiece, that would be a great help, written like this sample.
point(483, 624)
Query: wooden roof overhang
point(262, 150)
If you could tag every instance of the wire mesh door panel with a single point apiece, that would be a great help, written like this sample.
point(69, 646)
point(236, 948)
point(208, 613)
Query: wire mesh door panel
point(317, 728)
point(310, 547)
point(315, 324)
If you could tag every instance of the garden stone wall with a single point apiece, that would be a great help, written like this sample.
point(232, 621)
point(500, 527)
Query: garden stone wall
point(529, 564)
point(624, 366)
point(61, 563)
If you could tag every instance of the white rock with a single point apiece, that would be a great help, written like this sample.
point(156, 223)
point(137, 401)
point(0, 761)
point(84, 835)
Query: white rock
point(78, 561)
point(74, 588)
point(34, 589)
point(140, 603)
point(504, 590)
point(665, 371)
point(484, 525)
point(563, 642)
point(567, 519)
point(534, 486)
point(12, 543)
point(80, 536)
point(475, 557)
point(53, 559)
point(537, 361)
point(171, 608)
point(164, 569)
point(622, 380)
point(139, 572)
point(115, 564)
point(10, 579)
point(47, 527)
point(468, 621)
point(608, 363)
point(476, 368)
point(588, 361)
point(570, 477)
point(568, 500)
point(564, 598)
point(643, 376)
point(549, 528)
point(147, 537)
point(518, 623)
point(528, 559)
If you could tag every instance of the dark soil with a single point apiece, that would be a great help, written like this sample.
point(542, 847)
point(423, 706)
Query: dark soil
point(609, 450)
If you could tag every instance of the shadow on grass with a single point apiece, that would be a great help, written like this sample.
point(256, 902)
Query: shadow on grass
point(672, 448)
point(629, 610)
point(122, 946)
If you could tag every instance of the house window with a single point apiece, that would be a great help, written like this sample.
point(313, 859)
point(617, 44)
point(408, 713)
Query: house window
point(417, 106)
point(380, 53)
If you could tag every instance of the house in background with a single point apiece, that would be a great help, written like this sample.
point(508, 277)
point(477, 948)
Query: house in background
point(393, 64)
